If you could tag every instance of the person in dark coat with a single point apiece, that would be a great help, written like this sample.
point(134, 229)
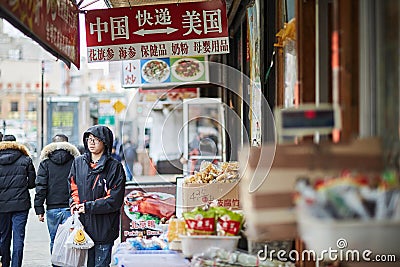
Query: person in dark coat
point(130, 158)
point(52, 183)
point(97, 188)
point(17, 176)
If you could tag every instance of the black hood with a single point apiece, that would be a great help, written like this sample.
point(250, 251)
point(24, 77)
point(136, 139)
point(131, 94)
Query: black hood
point(60, 157)
point(103, 133)
point(11, 151)
point(59, 152)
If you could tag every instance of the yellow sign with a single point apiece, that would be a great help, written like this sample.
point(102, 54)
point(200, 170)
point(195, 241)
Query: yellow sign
point(119, 106)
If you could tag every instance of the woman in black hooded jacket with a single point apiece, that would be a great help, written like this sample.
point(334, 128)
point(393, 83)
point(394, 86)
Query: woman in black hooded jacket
point(97, 187)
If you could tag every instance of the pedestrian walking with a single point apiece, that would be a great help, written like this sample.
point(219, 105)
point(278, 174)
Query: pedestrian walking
point(97, 186)
point(130, 158)
point(52, 183)
point(17, 176)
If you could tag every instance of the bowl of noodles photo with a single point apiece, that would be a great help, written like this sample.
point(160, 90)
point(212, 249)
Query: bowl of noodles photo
point(188, 69)
point(155, 71)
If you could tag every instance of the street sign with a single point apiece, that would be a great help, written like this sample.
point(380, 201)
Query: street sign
point(119, 106)
point(107, 120)
point(153, 31)
point(53, 24)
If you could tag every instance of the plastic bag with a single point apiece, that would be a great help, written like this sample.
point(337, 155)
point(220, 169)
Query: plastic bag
point(63, 256)
point(78, 238)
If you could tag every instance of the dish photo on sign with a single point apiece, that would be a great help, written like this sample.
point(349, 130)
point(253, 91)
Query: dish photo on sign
point(155, 71)
point(155, 206)
point(188, 69)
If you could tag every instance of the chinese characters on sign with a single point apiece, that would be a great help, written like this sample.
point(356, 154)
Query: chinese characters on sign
point(185, 29)
point(225, 194)
point(52, 23)
point(145, 208)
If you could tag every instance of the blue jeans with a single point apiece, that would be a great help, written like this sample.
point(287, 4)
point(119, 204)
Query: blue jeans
point(55, 217)
point(12, 225)
point(129, 170)
point(99, 255)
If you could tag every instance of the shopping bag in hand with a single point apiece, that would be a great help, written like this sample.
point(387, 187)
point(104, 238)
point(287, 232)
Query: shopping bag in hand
point(78, 238)
point(63, 256)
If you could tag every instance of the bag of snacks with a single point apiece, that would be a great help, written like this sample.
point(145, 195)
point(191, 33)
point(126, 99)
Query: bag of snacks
point(229, 223)
point(200, 222)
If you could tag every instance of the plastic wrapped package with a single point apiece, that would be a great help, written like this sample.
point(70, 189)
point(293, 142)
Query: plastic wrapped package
point(221, 257)
point(125, 257)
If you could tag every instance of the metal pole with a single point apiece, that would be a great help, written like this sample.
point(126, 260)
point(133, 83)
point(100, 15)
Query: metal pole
point(42, 109)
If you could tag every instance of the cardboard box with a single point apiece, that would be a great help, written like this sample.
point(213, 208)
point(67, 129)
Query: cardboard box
point(195, 195)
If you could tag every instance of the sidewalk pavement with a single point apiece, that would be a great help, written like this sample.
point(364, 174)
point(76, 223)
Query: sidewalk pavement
point(37, 241)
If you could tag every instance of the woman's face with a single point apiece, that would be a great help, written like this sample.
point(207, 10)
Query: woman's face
point(95, 145)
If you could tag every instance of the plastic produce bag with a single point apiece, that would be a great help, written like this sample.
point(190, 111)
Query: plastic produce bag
point(63, 256)
point(78, 238)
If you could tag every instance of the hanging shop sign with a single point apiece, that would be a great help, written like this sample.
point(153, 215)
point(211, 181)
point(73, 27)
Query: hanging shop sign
point(162, 72)
point(153, 31)
point(53, 24)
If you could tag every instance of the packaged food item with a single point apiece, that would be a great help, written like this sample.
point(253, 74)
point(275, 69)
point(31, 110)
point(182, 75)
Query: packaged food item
point(176, 227)
point(229, 223)
point(200, 222)
point(350, 196)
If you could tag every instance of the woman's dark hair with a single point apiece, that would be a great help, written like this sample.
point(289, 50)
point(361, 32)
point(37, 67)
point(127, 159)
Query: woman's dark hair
point(60, 138)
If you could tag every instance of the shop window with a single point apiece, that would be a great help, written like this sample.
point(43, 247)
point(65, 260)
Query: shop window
point(32, 106)
point(14, 106)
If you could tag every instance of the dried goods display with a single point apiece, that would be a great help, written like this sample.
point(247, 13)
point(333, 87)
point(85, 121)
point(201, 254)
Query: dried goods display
point(224, 172)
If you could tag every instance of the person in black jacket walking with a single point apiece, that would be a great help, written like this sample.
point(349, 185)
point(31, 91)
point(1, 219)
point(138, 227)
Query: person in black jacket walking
point(52, 183)
point(97, 187)
point(17, 176)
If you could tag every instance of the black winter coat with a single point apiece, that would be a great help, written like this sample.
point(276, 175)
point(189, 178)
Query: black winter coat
point(101, 187)
point(17, 175)
point(52, 176)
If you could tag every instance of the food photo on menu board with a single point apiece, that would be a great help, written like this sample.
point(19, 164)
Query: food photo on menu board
point(146, 210)
point(187, 69)
point(155, 70)
point(174, 69)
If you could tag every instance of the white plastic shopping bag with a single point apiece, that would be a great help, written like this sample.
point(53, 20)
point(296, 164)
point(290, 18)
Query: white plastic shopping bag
point(78, 238)
point(64, 256)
